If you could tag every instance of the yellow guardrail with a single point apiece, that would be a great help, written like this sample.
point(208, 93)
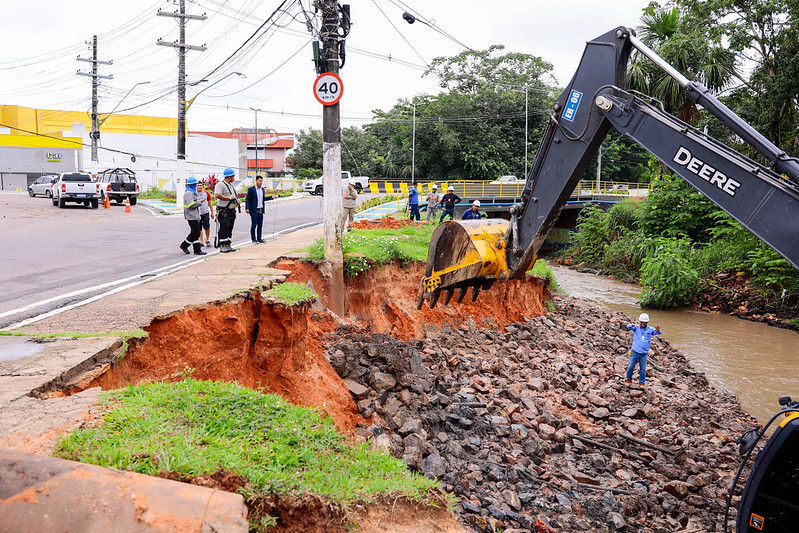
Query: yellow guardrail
point(487, 189)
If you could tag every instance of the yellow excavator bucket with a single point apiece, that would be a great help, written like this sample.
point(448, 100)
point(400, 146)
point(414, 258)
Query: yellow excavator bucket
point(463, 254)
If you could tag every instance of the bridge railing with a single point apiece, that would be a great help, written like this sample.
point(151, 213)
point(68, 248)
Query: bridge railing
point(487, 189)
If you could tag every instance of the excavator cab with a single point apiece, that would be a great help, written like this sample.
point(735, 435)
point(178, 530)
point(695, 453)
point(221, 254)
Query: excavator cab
point(770, 500)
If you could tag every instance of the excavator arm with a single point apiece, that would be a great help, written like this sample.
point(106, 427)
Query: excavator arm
point(477, 253)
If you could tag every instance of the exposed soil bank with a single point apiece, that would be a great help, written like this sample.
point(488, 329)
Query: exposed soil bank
point(257, 344)
point(385, 300)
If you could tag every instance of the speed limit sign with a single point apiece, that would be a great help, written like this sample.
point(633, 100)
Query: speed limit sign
point(328, 88)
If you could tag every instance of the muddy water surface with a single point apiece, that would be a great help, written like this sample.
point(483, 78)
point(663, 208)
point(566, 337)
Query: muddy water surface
point(756, 362)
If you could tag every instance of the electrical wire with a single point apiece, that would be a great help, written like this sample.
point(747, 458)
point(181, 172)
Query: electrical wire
point(428, 22)
point(400, 34)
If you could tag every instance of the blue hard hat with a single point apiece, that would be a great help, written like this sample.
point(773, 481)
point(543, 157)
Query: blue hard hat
point(229, 172)
point(191, 181)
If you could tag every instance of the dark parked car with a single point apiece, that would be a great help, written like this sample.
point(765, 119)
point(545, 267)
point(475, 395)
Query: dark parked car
point(118, 184)
point(43, 186)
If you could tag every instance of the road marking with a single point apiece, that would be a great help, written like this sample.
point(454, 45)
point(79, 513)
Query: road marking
point(151, 275)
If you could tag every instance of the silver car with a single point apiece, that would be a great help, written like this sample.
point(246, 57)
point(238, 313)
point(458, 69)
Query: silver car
point(43, 186)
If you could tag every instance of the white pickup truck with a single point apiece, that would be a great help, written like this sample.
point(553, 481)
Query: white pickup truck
point(75, 187)
point(316, 186)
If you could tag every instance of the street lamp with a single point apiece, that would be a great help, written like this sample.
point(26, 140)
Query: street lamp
point(107, 116)
point(220, 80)
point(256, 139)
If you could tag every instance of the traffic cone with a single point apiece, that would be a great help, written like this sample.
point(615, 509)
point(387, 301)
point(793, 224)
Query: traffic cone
point(127, 204)
point(107, 202)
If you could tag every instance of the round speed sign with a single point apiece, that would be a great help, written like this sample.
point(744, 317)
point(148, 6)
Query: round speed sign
point(328, 88)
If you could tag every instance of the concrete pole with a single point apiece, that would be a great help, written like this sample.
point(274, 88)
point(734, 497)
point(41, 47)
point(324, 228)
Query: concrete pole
point(331, 164)
point(180, 170)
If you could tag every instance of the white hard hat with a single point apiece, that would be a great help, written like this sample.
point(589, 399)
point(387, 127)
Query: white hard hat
point(435, 186)
point(451, 189)
point(476, 202)
point(643, 318)
point(351, 182)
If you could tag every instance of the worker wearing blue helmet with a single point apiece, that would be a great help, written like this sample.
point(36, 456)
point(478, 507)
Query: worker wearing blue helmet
point(191, 212)
point(227, 202)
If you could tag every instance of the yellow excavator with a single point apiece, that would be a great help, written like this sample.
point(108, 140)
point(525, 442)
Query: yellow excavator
point(476, 253)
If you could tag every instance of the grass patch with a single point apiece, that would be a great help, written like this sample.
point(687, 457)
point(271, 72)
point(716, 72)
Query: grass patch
point(199, 427)
point(379, 247)
point(292, 293)
point(125, 335)
point(541, 270)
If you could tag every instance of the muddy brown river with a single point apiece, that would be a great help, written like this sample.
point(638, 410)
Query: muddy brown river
point(755, 362)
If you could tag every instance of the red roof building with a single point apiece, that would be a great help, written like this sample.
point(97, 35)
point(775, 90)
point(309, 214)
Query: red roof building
point(270, 157)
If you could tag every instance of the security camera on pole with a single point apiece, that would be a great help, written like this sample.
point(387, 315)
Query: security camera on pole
point(328, 90)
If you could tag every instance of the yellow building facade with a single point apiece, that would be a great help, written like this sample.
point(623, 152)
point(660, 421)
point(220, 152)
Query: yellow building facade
point(29, 121)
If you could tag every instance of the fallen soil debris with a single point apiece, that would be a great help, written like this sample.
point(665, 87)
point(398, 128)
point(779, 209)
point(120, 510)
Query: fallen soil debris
point(520, 412)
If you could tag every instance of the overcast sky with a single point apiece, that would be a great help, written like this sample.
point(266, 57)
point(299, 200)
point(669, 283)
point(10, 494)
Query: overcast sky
point(385, 60)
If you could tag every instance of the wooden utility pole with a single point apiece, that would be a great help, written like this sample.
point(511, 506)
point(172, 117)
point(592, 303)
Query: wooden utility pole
point(331, 159)
point(95, 133)
point(181, 47)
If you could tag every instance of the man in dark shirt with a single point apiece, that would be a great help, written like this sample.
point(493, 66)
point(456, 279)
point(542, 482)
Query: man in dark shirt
point(448, 204)
point(473, 213)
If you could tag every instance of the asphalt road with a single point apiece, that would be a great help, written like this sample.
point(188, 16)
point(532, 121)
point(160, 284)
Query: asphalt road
point(53, 257)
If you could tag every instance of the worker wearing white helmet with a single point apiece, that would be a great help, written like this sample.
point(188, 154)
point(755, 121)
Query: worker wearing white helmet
point(448, 202)
point(474, 212)
point(639, 353)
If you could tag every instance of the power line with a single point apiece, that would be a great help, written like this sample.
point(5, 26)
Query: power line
point(400, 34)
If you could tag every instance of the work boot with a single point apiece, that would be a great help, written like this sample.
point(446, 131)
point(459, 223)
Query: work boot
point(198, 250)
point(185, 249)
point(224, 248)
point(200, 253)
point(629, 382)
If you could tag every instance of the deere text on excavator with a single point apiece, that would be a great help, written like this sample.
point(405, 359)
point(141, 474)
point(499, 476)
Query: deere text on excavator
point(476, 254)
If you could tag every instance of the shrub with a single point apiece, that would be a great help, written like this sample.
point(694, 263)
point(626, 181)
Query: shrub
point(591, 236)
point(667, 278)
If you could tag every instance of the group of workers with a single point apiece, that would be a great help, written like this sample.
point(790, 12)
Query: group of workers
point(198, 210)
point(446, 202)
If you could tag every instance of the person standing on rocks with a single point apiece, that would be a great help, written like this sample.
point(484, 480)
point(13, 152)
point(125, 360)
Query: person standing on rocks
point(226, 203)
point(642, 337)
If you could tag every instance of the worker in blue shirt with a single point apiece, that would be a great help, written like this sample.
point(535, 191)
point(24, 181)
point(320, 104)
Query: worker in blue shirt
point(473, 213)
point(413, 202)
point(642, 337)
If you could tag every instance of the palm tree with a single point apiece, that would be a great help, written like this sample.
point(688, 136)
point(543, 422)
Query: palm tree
point(678, 40)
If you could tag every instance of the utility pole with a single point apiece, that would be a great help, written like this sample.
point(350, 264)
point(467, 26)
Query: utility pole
point(526, 115)
point(331, 152)
point(181, 46)
point(95, 133)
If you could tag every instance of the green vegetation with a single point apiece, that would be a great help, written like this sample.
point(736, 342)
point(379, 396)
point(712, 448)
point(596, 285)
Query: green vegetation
point(125, 335)
point(291, 293)
point(674, 242)
point(378, 200)
point(199, 427)
point(541, 270)
point(363, 248)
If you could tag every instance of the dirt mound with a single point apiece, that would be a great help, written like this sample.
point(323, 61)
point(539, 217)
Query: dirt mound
point(385, 300)
point(535, 429)
point(383, 223)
